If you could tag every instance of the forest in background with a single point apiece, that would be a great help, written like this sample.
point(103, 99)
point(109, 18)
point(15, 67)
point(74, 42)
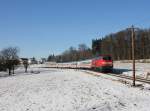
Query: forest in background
point(118, 45)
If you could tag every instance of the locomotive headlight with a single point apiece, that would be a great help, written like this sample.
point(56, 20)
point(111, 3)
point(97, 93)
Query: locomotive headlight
point(103, 63)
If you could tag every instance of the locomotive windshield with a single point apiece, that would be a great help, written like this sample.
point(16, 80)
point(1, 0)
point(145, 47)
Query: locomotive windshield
point(106, 58)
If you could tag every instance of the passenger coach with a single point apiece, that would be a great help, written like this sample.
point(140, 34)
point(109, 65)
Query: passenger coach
point(102, 63)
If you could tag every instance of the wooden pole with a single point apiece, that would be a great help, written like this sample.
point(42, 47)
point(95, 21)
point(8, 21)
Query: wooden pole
point(133, 54)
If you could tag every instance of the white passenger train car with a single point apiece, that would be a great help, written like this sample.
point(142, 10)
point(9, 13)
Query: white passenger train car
point(85, 64)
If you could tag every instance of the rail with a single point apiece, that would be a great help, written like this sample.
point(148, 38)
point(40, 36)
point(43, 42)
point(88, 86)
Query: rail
point(139, 79)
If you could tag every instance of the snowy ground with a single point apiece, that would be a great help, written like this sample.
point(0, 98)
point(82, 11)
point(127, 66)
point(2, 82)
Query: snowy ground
point(20, 70)
point(69, 90)
point(126, 68)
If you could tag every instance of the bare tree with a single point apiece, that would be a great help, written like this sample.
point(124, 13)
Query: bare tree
point(10, 57)
point(82, 47)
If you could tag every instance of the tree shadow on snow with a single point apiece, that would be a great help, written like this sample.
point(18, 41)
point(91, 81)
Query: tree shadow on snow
point(17, 73)
point(4, 75)
point(120, 71)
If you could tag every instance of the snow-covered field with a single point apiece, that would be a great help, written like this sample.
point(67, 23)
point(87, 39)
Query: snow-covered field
point(126, 68)
point(69, 90)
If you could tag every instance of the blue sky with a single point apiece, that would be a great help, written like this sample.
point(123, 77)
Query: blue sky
point(42, 27)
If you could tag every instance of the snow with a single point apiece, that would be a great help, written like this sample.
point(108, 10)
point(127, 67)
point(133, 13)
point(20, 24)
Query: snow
point(126, 68)
point(69, 90)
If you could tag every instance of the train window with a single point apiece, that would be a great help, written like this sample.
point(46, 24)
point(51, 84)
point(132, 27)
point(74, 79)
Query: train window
point(106, 58)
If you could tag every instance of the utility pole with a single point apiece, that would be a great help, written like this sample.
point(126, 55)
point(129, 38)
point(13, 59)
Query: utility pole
point(133, 52)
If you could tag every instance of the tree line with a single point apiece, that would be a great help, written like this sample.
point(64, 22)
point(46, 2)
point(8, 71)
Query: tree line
point(72, 54)
point(119, 45)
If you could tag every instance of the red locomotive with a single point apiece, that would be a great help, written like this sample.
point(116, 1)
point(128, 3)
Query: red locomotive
point(102, 63)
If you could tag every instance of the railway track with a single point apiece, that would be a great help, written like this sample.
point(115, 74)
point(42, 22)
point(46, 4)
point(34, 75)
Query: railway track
point(139, 79)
